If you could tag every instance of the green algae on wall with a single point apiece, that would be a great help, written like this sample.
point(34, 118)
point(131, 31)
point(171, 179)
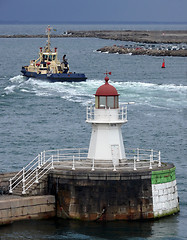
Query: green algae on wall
point(163, 176)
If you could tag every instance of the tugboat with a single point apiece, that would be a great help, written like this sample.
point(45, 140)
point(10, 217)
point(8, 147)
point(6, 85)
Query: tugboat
point(48, 67)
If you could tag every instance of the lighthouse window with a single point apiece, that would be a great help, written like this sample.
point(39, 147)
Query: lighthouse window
point(102, 101)
point(96, 102)
point(116, 102)
point(110, 102)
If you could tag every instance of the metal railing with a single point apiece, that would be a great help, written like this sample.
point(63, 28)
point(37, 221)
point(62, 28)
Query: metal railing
point(91, 114)
point(73, 159)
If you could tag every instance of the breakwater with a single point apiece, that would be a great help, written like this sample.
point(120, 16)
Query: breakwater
point(143, 51)
point(37, 204)
point(133, 192)
point(166, 36)
point(115, 195)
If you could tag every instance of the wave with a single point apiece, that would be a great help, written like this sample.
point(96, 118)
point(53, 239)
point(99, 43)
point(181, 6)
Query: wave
point(10, 89)
point(158, 95)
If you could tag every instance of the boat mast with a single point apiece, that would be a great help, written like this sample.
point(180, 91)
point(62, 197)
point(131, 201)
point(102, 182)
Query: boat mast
point(48, 35)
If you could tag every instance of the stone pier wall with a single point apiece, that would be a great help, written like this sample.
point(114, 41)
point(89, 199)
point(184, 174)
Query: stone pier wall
point(103, 196)
point(4, 182)
point(21, 208)
point(95, 196)
point(120, 195)
point(40, 188)
point(165, 195)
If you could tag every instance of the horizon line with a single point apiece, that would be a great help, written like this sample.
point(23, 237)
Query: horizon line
point(90, 22)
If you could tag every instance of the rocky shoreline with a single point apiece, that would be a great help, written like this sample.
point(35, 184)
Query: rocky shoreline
point(167, 36)
point(142, 51)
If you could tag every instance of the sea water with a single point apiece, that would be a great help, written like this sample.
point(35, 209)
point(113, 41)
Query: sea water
point(38, 115)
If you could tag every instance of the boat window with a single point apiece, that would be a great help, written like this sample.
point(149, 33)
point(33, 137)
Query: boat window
point(50, 58)
point(44, 57)
point(54, 57)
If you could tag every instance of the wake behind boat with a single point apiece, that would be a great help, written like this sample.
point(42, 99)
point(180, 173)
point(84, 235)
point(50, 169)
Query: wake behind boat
point(48, 67)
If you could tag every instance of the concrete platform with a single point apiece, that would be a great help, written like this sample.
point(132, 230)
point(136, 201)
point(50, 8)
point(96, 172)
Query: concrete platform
point(15, 208)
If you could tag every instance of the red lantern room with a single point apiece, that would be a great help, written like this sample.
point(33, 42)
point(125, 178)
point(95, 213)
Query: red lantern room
point(106, 96)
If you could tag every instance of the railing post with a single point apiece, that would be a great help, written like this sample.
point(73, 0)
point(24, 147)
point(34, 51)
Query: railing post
point(52, 165)
point(126, 113)
point(87, 112)
point(58, 157)
point(23, 181)
point(44, 156)
point(10, 188)
point(135, 164)
point(122, 112)
point(138, 154)
point(79, 154)
point(36, 181)
point(38, 160)
point(159, 159)
point(41, 158)
point(150, 166)
point(114, 168)
point(73, 167)
point(152, 155)
point(93, 165)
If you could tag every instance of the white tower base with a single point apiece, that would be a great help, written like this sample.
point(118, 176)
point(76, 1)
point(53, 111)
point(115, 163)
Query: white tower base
point(106, 143)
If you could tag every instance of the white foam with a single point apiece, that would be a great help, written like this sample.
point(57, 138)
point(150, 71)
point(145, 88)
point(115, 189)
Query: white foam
point(152, 94)
point(17, 79)
point(9, 89)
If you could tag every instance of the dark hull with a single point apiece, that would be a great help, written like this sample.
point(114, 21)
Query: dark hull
point(57, 77)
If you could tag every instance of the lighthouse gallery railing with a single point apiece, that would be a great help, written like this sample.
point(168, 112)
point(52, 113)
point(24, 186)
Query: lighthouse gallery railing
point(76, 159)
point(121, 115)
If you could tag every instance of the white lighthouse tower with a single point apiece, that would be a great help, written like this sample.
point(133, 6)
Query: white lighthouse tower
point(106, 117)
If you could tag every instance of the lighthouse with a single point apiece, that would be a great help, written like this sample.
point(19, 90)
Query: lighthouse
point(107, 118)
point(107, 181)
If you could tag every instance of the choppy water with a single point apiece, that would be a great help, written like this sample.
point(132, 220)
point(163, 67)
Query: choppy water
point(37, 115)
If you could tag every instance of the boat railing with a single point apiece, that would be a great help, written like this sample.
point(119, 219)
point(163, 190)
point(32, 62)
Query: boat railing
point(76, 159)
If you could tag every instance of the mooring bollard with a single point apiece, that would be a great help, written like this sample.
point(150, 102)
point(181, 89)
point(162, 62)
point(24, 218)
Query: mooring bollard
point(93, 165)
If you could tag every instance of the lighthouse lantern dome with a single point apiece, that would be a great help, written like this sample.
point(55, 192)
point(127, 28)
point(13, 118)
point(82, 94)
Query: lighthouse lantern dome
point(106, 96)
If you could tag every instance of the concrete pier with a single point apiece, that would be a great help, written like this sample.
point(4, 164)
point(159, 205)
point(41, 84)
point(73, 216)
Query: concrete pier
point(16, 208)
point(37, 204)
point(115, 195)
point(125, 193)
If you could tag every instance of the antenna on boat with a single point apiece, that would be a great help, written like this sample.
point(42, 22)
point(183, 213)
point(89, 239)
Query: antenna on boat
point(48, 35)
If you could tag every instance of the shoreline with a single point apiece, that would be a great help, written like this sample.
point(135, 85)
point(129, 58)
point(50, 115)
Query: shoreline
point(166, 36)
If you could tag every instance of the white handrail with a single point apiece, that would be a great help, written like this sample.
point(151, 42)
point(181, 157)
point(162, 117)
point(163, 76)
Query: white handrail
point(73, 159)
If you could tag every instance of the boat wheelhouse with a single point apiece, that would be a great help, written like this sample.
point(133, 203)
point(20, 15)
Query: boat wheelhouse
point(48, 67)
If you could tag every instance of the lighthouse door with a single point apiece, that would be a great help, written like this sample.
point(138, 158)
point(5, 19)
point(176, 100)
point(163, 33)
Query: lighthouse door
point(115, 154)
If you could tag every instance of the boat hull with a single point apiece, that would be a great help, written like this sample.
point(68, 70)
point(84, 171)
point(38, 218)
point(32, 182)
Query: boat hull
point(56, 77)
